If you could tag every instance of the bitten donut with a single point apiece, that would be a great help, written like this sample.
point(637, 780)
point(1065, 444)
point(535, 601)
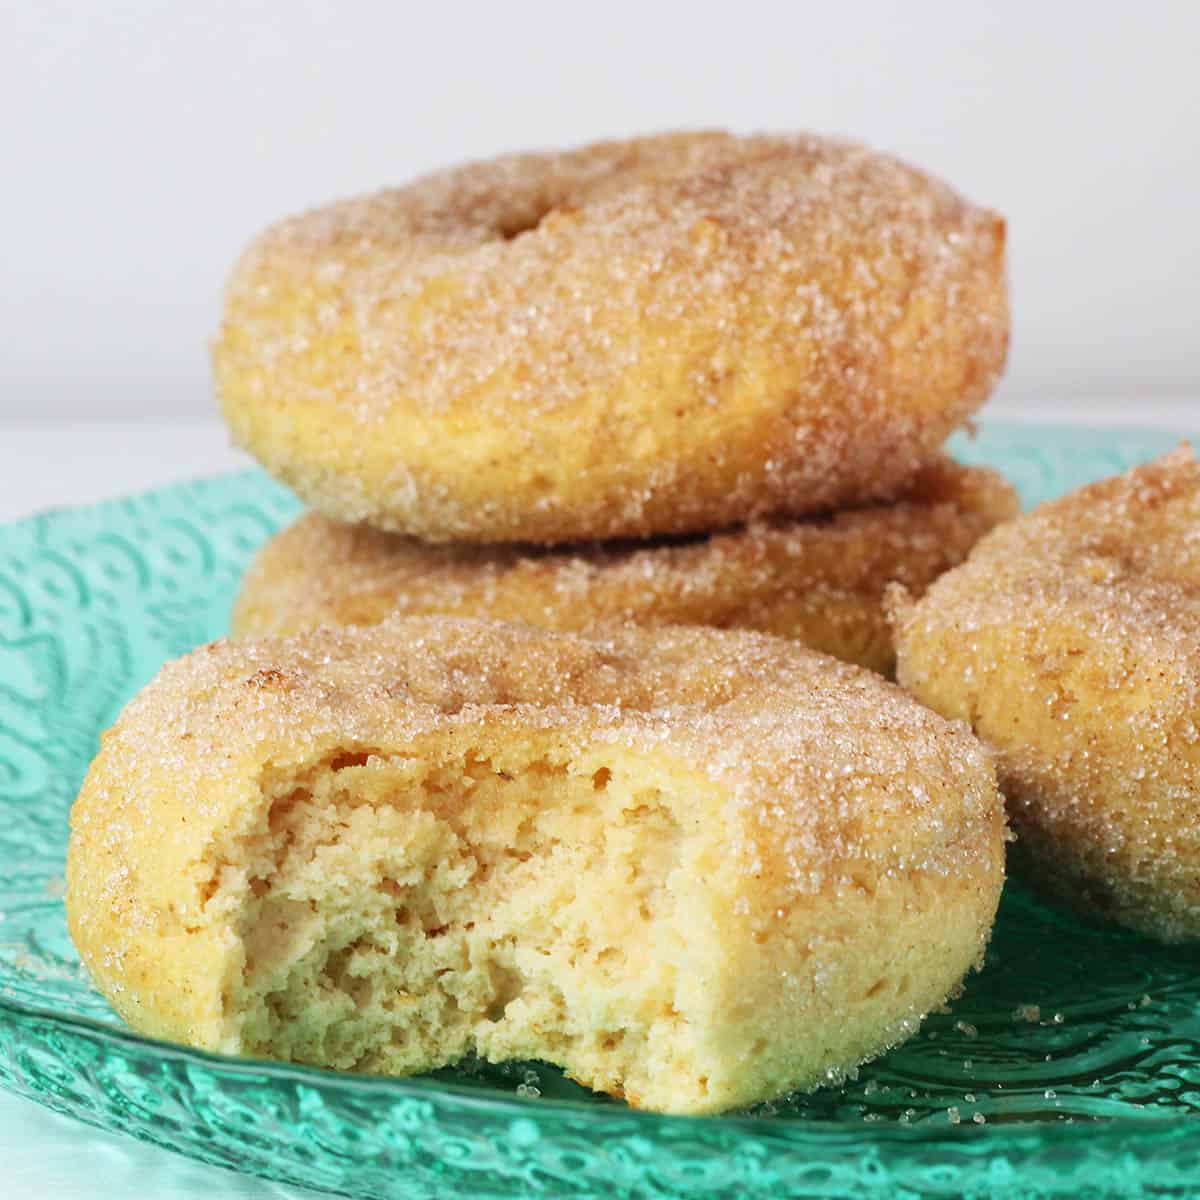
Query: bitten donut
point(820, 580)
point(1070, 639)
point(697, 869)
point(659, 336)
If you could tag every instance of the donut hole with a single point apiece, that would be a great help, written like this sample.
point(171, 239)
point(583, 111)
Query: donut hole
point(410, 910)
point(526, 219)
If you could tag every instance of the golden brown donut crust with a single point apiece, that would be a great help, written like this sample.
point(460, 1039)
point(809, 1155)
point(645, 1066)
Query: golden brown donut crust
point(1070, 639)
point(660, 336)
point(819, 580)
point(824, 855)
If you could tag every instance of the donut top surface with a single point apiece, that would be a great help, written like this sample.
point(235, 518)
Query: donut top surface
point(654, 336)
point(1125, 551)
point(827, 766)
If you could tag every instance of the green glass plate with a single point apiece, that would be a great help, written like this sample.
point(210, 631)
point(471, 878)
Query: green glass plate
point(1071, 1066)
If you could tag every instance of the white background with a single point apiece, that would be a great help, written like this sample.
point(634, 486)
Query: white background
point(141, 144)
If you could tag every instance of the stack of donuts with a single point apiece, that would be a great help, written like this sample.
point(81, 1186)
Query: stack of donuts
point(508, 756)
point(692, 378)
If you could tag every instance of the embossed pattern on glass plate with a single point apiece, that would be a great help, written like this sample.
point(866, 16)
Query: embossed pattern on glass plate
point(1071, 1067)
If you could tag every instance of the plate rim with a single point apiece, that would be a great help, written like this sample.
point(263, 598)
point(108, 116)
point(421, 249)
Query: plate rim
point(422, 1087)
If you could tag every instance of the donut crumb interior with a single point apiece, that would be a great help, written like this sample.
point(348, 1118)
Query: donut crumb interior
point(399, 913)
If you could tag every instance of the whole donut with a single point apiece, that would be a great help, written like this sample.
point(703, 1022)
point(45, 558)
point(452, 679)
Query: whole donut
point(657, 336)
point(697, 869)
point(1070, 640)
point(819, 580)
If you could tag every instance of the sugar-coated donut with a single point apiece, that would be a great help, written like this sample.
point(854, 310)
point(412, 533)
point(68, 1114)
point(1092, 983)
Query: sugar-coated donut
point(658, 336)
point(1070, 639)
point(820, 580)
point(695, 868)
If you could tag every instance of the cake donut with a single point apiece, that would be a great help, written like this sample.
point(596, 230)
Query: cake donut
point(1070, 640)
point(657, 336)
point(820, 580)
point(695, 868)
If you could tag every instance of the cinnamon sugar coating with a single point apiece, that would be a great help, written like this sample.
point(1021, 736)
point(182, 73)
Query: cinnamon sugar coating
point(660, 336)
point(1070, 639)
point(820, 580)
point(695, 868)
